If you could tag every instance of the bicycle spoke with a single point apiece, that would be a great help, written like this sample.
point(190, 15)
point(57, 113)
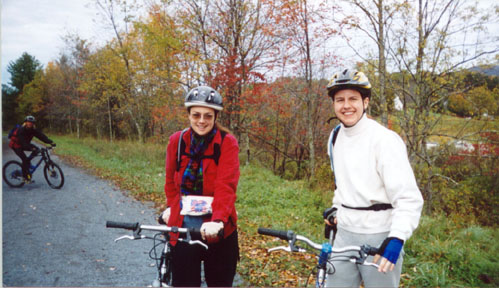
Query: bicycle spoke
point(12, 174)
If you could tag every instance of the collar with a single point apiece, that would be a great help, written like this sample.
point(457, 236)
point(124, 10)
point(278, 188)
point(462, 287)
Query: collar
point(358, 128)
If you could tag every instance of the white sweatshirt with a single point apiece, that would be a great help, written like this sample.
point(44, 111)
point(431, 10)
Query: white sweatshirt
point(371, 166)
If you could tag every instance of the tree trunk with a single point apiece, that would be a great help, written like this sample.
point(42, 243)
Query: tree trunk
point(382, 65)
point(110, 120)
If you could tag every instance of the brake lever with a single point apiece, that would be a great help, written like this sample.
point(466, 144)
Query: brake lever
point(129, 237)
point(285, 248)
point(192, 242)
point(371, 264)
point(365, 263)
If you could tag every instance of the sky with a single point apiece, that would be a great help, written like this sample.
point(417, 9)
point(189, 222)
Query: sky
point(37, 27)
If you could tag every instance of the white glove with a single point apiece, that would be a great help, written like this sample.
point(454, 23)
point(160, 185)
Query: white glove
point(210, 229)
point(166, 215)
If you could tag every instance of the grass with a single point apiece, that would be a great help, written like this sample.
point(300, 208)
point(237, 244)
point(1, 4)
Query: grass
point(441, 253)
point(447, 128)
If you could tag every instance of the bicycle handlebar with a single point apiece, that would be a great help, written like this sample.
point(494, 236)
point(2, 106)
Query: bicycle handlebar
point(159, 228)
point(292, 237)
point(122, 225)
point(284, 235)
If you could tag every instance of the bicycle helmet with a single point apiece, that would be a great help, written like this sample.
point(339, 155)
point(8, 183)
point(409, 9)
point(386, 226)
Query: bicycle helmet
point(204, 96)
point(30, 119)
point(349, 79)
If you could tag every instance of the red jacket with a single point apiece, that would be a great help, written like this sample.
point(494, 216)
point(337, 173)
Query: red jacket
point(219, 181)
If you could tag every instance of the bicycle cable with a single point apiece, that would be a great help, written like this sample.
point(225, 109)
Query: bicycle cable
point(156, 242)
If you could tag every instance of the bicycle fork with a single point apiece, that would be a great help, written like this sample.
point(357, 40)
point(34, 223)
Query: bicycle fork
point(322, 266)
point(164, 271)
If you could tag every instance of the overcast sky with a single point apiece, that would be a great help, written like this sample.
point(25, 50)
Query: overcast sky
point(37, 27)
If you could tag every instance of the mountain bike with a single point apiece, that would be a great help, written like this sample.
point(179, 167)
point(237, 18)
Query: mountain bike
point(163, 262)
point(328, 254)
point(13, 173)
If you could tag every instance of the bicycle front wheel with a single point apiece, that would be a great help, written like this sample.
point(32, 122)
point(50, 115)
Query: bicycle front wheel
point(53, 175)
point(13, 174)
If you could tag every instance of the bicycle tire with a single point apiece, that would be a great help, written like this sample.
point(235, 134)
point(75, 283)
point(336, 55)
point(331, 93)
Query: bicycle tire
point(54, 176)
point(13, 174)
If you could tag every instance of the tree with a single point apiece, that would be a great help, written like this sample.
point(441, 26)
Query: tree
point(380, 15)
point(77, 54)
point(9, 117)
point(483, 100)
point(23, 70)
point(305, 29)
point(426, 53)
point(122, 47)
point(233, 43)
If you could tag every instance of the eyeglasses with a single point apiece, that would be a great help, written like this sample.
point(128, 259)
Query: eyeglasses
point(207, 117)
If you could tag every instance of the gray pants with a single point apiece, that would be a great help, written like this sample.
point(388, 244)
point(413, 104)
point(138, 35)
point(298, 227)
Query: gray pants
point(347, 274)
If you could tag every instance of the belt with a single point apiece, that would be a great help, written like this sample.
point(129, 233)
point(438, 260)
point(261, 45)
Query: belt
point(375, 207)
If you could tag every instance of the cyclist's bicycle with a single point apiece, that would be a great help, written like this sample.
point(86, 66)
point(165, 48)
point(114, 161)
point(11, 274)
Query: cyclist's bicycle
point(328, 254)
point(163, 261)
point(13, 173)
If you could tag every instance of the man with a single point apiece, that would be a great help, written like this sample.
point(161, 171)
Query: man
point(377, 200)
point(20, 141)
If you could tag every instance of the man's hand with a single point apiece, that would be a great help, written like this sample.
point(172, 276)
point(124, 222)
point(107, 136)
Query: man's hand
point(389, 252)
point(210, 230)
point(330, 220)
point(330, 216)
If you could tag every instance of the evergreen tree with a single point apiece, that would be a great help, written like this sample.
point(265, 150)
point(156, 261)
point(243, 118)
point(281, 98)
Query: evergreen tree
point(22, 71)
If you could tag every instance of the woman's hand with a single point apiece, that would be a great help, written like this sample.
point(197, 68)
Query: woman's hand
point(210, 230)
point(165, 215)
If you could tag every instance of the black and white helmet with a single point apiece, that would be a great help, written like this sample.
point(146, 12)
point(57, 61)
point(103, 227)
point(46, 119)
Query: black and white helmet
point(204, 96)
point(30, 119)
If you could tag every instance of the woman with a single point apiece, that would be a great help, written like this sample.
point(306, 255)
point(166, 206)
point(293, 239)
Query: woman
point(201, 192)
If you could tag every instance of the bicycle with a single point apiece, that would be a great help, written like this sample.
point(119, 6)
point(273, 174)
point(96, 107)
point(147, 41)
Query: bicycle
point(163, 262)
point(325, 266)
point(13, 173)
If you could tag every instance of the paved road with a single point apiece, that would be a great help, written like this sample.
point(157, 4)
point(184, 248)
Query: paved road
point(58, 237)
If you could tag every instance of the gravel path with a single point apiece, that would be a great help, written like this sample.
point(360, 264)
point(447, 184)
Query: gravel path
point(58, 237)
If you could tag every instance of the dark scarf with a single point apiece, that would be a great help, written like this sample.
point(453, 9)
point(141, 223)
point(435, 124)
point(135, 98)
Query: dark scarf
point(192, 180)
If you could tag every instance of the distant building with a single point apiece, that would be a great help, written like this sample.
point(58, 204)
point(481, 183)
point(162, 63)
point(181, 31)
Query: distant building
point(398, 104)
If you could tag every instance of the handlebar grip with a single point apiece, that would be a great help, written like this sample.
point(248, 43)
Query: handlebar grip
point(122, 225)
point(195, 232)
point(284, 235)
point(373, 251)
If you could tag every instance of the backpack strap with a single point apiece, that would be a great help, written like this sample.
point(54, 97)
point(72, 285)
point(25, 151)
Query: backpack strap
point(332, 140)
point(181, 147)
point(216, 149)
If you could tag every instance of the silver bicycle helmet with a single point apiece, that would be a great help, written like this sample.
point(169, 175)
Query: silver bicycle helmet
point(204, 96)
point(30, 119)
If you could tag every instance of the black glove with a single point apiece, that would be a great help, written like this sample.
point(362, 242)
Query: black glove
point(329, 215)
point(53, 144)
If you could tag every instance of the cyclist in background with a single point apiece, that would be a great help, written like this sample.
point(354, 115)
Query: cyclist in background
point(377, 200)
point(20, 141)
point(201, 193)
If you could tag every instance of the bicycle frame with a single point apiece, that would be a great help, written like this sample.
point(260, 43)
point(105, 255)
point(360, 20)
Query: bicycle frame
point(33, 169)
point(324, 265)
